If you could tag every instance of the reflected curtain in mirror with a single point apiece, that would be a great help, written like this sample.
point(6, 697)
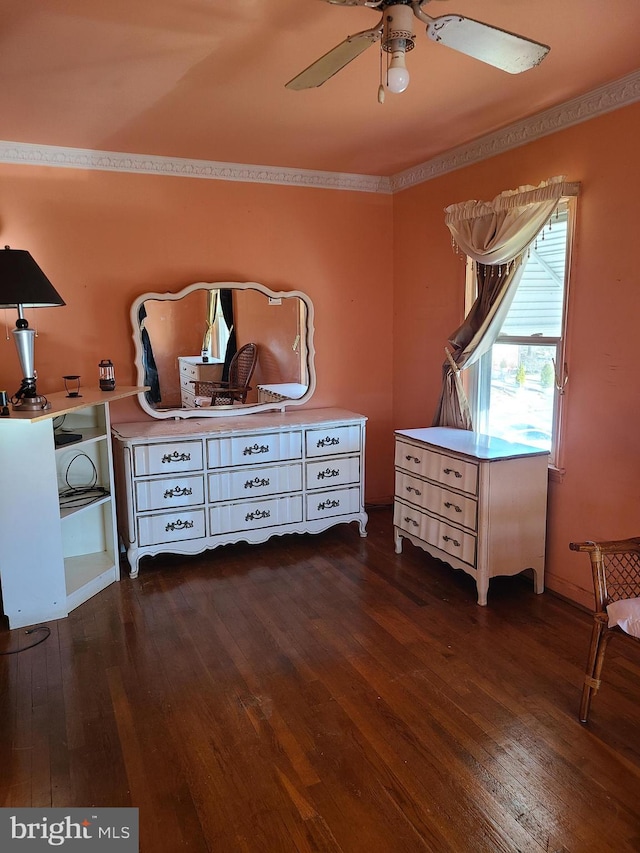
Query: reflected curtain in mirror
point(226, 301)
point(149, 362)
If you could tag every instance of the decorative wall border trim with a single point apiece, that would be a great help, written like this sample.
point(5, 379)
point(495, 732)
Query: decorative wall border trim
point(112, 161)
point(605, 99)
point(597, 102)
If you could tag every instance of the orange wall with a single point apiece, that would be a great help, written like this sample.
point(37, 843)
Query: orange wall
point(104, 238)
point(599, 494)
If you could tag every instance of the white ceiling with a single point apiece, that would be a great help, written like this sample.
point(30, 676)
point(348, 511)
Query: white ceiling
point(204, 79)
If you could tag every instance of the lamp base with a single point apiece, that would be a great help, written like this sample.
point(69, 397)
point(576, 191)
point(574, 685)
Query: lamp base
point(32, 404)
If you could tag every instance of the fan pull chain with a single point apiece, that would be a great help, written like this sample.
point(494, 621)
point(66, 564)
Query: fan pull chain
point(381, 86)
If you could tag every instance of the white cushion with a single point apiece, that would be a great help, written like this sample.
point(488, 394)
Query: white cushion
point(626, 614)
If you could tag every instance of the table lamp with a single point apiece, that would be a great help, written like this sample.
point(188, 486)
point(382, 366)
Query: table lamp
point(24, 285)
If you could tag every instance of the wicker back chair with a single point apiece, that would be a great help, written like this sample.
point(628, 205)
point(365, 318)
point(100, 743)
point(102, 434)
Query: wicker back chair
point(237, 387)
point(615, 567)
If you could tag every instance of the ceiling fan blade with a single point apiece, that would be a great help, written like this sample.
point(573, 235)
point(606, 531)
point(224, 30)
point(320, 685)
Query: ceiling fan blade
point(500, 48)
point(322, 69)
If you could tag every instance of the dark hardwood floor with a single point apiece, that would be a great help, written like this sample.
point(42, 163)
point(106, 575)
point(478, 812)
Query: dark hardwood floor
point(321, 693)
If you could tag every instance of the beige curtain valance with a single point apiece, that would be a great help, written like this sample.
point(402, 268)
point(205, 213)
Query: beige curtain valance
point(496, 232)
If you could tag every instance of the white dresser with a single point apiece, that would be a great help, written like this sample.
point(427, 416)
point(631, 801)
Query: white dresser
point(57, 514)
point(476, 502)
point(194, 369)
point(185, 486)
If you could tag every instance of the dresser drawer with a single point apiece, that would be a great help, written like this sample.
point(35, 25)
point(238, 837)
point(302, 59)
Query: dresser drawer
point(456, 473)
point(253, 450)
point(187, 384)
point(328, 442)
point(451, 506)
point(248, 515)
point(333, 502)
point(255, 482)
point(209, 372)
point(171, 527)
point(168, 493)
point(187, 372)
point(436, 532)
point(334, 472)
point(167, 458)
point(188, 399)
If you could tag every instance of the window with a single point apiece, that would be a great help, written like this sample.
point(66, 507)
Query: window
point(515, 389)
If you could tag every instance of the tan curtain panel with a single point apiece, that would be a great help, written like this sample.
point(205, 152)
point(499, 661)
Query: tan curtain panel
point(496, 234)
point(212, 306)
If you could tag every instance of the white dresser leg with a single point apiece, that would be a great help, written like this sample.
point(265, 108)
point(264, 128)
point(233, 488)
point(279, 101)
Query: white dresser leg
point(397, 538)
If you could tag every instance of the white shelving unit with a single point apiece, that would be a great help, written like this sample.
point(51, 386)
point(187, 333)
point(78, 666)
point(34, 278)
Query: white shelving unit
point(58, 550)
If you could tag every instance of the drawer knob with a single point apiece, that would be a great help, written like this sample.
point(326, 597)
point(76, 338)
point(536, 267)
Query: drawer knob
point(257, 515)
point(256, 448)
point(257, 482)
point(178, 525)
point(329, 504)
point(412, 459)
point(411, 521)
point(455, 473)
point(449, 505)
point(413, 489)
point(176, 457)
point(327, 442)
point(451, 539)
point(178, 492)
point(328, 472)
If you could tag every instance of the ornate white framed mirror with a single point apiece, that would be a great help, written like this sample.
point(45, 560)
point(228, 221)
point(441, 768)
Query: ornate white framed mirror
point(185, 343)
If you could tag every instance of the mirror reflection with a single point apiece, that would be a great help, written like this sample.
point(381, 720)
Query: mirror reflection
point(223, 348)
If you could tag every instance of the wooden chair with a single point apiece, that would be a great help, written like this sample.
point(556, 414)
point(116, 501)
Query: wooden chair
point(237, 387)
point(615, 566)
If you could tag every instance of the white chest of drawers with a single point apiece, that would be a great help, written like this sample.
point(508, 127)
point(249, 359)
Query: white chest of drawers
point(193, 369)
point(185, 486)
point(476, 502)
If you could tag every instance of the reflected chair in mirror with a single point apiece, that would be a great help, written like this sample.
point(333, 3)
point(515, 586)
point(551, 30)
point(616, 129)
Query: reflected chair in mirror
point(615, 567)
point(237, 387)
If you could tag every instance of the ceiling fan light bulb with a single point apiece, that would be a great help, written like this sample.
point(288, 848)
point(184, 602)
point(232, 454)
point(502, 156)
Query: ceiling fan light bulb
point(397, 74)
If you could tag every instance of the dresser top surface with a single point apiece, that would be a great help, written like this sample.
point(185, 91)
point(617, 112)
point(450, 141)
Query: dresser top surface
point(198, 360)
point(151, 430)
point(473, 444)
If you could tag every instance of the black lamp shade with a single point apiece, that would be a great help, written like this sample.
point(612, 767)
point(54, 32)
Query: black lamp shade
point(22, 282)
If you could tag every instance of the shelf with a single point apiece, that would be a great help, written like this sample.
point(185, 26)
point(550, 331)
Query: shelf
point(89, 436)
point(89, 570)
point(67, 512)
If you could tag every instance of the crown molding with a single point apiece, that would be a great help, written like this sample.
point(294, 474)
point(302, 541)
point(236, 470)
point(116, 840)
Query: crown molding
point(26, 153)
point(605, 99)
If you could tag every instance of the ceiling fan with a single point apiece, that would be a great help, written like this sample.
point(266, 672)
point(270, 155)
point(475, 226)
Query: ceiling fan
point(500, 48)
